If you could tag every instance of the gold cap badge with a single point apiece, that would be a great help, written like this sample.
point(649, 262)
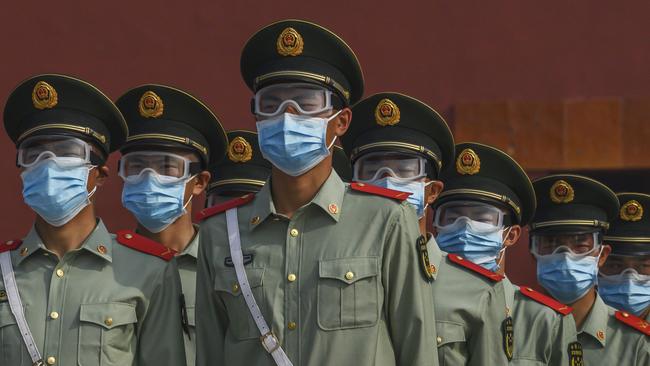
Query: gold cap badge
point(631, 211)
point(239, 150)
point(562, 192)
point(289, 42)
point(468, 162)
point(151, 106)
point(44, 96)
point(387, 113)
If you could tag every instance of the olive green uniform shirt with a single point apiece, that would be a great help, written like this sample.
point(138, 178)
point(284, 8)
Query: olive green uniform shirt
point(338, 283)
point(187, 270)
point(542, 336)
point(469, 312)
point(607, 341)
point(102, 304)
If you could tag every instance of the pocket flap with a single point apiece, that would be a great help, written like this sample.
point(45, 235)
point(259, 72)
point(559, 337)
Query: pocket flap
point(108, 315)
point(6, 316)
point(349, 270)
point(449, 333)
point(226, 280)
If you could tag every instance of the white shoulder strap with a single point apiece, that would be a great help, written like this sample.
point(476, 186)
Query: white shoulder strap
point(269, 340)
point(16, 306)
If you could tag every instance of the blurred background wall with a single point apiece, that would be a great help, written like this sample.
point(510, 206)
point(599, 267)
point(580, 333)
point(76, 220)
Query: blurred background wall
point(559, 85)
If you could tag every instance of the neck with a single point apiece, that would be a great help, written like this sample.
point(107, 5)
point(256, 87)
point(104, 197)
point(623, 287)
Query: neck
point(582, 307)
point(423, 225)
point(290, 193)
point(176, 236)
point(645, 313)
point(70, 236)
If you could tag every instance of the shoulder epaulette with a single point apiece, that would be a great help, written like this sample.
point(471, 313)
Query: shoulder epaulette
point(10, 245)
point(634, 321)
point(546, 300)
point(145, 245)
point(475, 267)
point(380, 191)
point(223, 207)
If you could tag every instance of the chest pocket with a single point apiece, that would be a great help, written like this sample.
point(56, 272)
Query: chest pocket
point(107, 334)
point(452, 349)
point(12, 349)
point(241, 324)
point(348, 293)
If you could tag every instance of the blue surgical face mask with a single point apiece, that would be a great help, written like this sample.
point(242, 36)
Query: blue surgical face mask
point(155, 201)
point(414, 187)
point(55, 188)
point(294, 143)
point(567, 276)
point(476, 241)
point(629, 291)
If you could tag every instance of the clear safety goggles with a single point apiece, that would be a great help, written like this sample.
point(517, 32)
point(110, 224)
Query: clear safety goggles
point(134, 165)
point(307, 99)
point(373, 166)
point(486, 215)
point(576, 244)
point(621, 264)
point(68, 151)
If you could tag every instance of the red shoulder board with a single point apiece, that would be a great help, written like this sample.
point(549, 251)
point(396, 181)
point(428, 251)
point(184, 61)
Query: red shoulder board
point(546, 300)
point(475, 267)
point(634, 322)
point(379, 191)
point(10, 245)
point(223, 207)
point(138, 242)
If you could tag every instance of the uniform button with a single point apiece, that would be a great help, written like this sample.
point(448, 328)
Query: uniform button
point(23, 252)
point(51, 360)
point(108, 321)
point(10, 242)
point(600, 334)
point(101, 249)
point(438, 339)
point(333, 208)
point(349, 276)
point(255, 220)
point(54, 315)
point(625, 315)
point(128, 236)
point(292, 325)
point(433, 269)
point(235, 287)
point(291, 277)
point(59, 272)
point(294, 232)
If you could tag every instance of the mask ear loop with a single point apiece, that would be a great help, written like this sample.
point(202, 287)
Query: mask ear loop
point(92, 192)
point(502, 251)
point(191, 195)
point(329, 146)
point(426, 204)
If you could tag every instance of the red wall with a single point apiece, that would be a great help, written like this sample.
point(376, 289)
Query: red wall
point(441, 52)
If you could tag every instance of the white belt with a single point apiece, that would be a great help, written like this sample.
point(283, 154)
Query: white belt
point(16, 306)
point(269, 340)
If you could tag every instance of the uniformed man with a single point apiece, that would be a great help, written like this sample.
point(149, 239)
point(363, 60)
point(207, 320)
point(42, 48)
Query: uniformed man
point(624, 280)
point(310, 271)
point(73, 294)
point(400, 143)
point(173, 138)
point(573, 213)
point(245, 170)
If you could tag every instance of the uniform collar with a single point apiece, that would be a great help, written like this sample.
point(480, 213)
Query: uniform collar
point(596, 323)
point(99, 242)
point(329, 198)
point(435, 255)
point(192, 249)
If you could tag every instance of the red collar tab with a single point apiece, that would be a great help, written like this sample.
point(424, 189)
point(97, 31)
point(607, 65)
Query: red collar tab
point(634, 321)
point(546, 300)
point(379, 191)
point(145, 245)
point(223, 207)
point(475, 267)
point(10, 245)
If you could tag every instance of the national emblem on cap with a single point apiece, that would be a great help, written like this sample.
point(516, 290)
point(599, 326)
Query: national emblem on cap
point(387, 113)
point(631, 211)
point(44, 96)
point(562, 192)
point(151, 105)
point(468, 162)
point(240, 150)
point(290, 42)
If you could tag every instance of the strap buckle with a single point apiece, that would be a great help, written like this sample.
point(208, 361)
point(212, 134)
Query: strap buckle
point(270, 342)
